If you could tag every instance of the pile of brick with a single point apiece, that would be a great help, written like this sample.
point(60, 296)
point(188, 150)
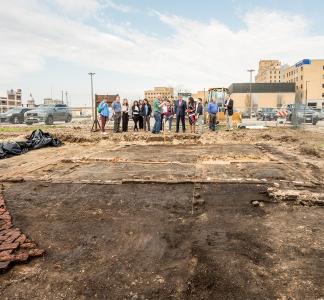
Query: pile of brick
point(14, 245)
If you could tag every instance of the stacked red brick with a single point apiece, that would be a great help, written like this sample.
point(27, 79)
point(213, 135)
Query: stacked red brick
point(14, 245)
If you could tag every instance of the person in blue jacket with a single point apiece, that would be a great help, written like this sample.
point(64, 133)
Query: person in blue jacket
point(212, 111)
point(103, 111)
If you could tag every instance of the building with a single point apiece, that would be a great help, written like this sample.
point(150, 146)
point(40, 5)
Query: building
point(12, 100)
point(201, 94)
point(31, 103)
point(308, 75)
point(165, 92)
point(264, 95)
point(269, 72)
point(50, 101)
point(81, 112)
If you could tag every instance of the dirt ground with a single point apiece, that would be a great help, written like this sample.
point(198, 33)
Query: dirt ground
point(136, 216)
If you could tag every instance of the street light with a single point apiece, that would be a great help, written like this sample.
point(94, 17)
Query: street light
point(251, 71)
point(94, 114)
point(307, 91)
point(306, 100)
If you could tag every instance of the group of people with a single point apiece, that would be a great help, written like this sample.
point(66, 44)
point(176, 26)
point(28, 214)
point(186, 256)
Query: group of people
point(164, 113)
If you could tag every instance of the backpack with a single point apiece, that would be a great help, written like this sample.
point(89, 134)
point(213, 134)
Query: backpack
point(100, 107)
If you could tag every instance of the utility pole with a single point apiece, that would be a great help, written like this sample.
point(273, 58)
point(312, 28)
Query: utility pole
point(62, 93)
point(66, 98)
point(251, 104)
point(94, 113)
point(306, 100)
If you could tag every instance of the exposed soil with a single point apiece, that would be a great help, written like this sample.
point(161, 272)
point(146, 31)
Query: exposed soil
point(139, 216)
point(142, 242)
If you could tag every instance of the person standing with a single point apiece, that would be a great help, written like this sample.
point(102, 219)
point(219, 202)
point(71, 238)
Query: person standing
point(157, 111)
point(212, 111)
point(180, 111)
point(125, 115)
point(103, 111)
point(200, 115)
point(135, 114)
point(140, 116)
point(229, 103)
point(192, 114)
point(146, 113)
point(169, 114)
point(116, 110)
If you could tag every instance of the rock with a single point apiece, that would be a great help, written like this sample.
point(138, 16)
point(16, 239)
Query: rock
point(255, 203)
point(197, 202)
point(196, 195)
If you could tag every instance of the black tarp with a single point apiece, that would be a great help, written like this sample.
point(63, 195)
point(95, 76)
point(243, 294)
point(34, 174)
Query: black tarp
point(38, 139)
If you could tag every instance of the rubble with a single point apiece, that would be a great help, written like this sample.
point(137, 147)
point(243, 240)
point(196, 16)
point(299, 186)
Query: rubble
point(301, 197)
point(14, 245)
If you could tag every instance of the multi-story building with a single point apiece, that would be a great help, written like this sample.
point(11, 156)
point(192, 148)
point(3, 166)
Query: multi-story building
point(165, 92)
point(308, 75)
point(269, 72)
point(12, 100)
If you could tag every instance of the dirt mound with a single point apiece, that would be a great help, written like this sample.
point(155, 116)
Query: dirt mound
point(311, 151)
point(77, 138)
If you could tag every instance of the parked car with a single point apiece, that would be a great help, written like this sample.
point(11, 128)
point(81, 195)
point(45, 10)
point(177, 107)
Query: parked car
point(14, 115)
point(267, 114)
point(306, 115)
point(300, 113)
point(247, 114)
point(320, 113)
point(49, 114)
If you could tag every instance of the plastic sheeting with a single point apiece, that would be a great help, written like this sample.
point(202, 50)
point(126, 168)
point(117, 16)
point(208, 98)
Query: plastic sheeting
point(38, 139)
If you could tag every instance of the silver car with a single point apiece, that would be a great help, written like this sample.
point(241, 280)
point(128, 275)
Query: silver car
point(48, 114)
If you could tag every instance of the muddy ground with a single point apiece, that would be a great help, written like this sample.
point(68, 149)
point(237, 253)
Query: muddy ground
point(137, 216)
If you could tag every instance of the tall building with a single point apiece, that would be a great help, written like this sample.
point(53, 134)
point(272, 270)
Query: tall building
point(269, 72)
point(165, 92)
point(12, 100)
point(308, 75)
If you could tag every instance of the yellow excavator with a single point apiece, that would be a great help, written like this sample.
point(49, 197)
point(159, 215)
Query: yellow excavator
point(220, 95)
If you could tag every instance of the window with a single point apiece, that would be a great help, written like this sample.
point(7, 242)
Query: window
point(301, 77)
point(302, 68)
point(323, 86)
point(323, 95)
point(301, 86)
point(323, 67)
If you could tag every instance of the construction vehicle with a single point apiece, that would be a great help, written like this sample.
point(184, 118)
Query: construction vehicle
point(220, 95)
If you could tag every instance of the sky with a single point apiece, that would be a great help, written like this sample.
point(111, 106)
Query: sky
point(51, 45)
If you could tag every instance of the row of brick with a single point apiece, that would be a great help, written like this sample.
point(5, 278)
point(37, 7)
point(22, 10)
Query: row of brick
point(14, 245)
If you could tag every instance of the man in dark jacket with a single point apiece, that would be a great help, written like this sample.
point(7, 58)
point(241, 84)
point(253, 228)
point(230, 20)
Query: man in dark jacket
point(229, 103)
point(180, 109)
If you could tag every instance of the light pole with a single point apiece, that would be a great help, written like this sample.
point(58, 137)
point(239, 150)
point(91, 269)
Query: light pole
point(251, 105)
point(92, 101)
point(306, 100)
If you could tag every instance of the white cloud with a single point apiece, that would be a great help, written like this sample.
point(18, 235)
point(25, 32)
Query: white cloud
point(117, 6)
point(196, 55)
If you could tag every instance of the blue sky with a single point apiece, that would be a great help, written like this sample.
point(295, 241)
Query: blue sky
point(51, 45)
